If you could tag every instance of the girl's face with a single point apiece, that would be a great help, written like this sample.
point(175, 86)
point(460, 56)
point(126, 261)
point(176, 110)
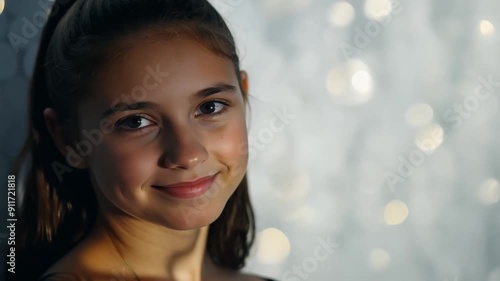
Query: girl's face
point(177, 115)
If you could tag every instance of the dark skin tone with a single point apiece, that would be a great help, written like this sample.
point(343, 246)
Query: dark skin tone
point(182, 136)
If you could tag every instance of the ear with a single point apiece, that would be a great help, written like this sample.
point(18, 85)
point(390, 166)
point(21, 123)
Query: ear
point(62, 138)
point(244, 82)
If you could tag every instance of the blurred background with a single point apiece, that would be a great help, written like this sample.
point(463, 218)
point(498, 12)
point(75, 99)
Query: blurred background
point(374, 133)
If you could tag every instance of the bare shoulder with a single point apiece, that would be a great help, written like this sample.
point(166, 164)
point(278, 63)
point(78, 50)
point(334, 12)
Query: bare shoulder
point(78, 276)
point(67, 270)
point(86, 262)
point(64, 270)
point(75, 266)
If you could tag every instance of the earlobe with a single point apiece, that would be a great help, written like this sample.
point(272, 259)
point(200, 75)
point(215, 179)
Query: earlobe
point(60, 137)
point(244, 82)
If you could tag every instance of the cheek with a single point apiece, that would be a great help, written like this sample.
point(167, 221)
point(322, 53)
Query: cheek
point(231, 146)
point(122, 169)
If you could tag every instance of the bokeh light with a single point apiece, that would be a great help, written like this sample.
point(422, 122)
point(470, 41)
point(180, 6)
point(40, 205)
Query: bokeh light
point(362, 81)
point(486, 28)
point(489, 192)
point(377, 9)
point(350, 83)
point(395, 212)
point(341, 14)
point(419, 114)
point(379, 259)
point(429, 137)
point(272, 246)
point(304, 215)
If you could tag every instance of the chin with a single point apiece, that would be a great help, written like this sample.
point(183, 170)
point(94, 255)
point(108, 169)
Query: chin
point(189, 218)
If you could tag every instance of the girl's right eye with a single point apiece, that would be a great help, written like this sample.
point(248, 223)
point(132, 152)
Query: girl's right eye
point(135, 122)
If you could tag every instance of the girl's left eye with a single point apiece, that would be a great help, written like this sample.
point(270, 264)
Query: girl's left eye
point(211, 108)
point(135, 122)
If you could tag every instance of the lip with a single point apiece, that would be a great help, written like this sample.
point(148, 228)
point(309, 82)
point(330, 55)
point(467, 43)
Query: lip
point(186, 190)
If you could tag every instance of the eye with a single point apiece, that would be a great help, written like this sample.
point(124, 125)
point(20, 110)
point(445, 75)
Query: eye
point(211, 108)
point(134, 122)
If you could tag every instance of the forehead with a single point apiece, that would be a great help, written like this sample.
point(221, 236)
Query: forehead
point(174, 66)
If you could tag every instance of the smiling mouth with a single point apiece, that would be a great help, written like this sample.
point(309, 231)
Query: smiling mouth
point(186, 190)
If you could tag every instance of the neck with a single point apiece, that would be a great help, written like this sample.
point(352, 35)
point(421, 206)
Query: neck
point(151, 250)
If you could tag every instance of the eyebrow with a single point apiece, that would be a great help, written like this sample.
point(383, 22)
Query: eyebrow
point(219, 87)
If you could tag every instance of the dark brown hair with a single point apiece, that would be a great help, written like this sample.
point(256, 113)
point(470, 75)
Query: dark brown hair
point(79, 36)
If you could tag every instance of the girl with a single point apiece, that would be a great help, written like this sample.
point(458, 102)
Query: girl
point(137, 148)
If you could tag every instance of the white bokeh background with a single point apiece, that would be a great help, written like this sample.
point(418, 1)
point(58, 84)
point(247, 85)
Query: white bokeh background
point(371, 127)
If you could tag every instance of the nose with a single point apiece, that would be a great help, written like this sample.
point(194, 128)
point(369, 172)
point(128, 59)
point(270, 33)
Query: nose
point(185, 149)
